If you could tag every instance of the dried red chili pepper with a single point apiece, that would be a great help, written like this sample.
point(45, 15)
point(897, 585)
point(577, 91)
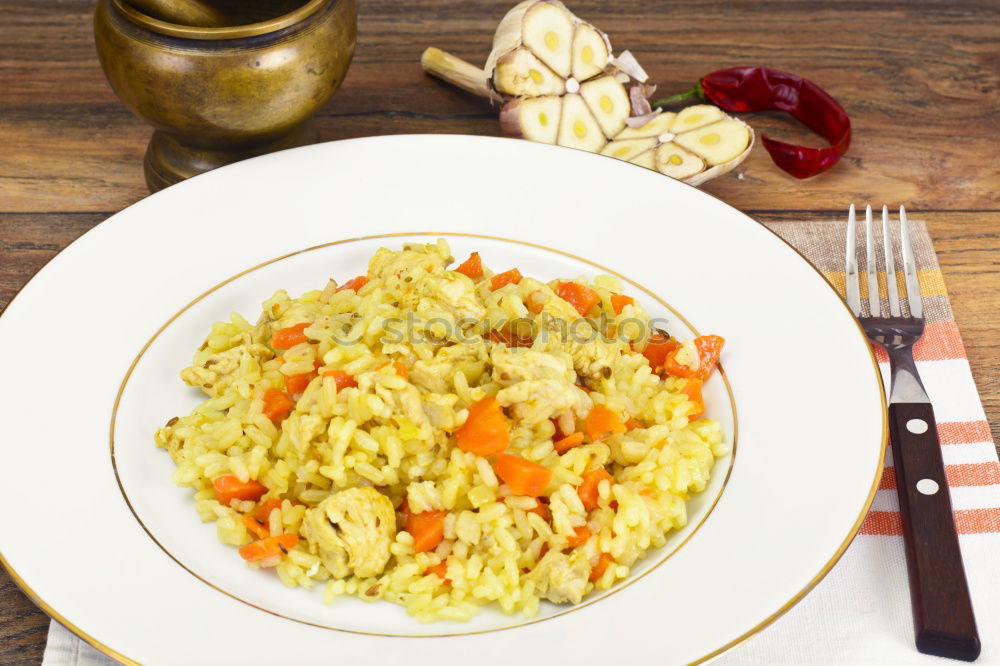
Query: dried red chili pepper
point(740, 89)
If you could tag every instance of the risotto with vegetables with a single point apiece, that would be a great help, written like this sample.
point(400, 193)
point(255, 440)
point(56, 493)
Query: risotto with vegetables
point(447, 438)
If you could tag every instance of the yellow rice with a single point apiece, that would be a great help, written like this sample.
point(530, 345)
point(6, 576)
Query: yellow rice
point(392, 433)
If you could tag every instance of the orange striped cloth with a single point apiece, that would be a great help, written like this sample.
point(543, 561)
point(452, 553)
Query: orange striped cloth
point(860, 613)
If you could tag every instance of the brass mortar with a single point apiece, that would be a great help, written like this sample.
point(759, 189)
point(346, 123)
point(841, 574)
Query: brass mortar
point(220, 95)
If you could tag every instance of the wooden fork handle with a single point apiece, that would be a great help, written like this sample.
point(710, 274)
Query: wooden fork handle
point(942, 610)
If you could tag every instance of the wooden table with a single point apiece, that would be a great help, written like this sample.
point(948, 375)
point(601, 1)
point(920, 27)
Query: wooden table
point(920, 80)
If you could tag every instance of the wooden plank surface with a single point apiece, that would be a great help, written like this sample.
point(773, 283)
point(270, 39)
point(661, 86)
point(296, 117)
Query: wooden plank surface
point(919, 78)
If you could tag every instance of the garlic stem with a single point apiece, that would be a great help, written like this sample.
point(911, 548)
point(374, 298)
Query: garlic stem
point(458, 72)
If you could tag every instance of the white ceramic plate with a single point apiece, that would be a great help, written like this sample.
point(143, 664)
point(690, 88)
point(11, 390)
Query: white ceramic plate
point(106, 544)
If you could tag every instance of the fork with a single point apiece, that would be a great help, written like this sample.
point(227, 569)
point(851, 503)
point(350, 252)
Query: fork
point(942, 610)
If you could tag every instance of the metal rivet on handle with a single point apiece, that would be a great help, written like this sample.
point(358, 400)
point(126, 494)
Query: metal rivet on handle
point(927, 486)
point(916, 426)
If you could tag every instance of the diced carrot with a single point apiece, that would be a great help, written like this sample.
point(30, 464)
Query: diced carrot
point(659, 346)
point(567, 443)
point(505, 336)
point(618, 302)
point(600, 567)
point(580, 297)
point(257, 526)
point(471, 267)
point(277, 405)
point(354, 283)
point(263, 512)
point(523, 477)
point(601, 422)
point(228, 488)
point(633, 424)
point(296, 384)
point(287, 338)
point(485, 432)
point(580, 536)
point(341, 379)
point(588, 489)
point(399, 368)
point(513, 276)
point(709, 349)
point(440, 570)
point(692, 389)
point(427, 529)
point(269, 547)
point(541, 509)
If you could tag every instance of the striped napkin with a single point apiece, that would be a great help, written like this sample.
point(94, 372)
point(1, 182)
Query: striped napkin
point(860, 613)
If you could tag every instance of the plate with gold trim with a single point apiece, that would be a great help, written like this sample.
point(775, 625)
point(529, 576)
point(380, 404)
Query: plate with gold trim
point(103, 330)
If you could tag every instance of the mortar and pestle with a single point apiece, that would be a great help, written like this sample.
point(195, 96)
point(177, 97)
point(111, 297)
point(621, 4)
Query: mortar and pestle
point(223, 80)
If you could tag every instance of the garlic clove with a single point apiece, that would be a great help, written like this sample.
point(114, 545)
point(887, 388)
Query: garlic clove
point(590, 52)
point(519, 73)
point(626, 149)
point(717, 143)
point(660, 124)
point(547, 29)
point(609, 103)
point(646, 159)
point(532, 118)
point(696, 116)
point(577, 126)
point(674, 161)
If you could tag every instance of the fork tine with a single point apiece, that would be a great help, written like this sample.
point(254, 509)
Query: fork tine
point(874, 305)
point(910, 267)
point(890, 266)
point(851, 266)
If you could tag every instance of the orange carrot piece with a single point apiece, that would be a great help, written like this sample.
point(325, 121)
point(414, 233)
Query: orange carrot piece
point(692, 389)
point(633, 424)
point(600, 567)
point(541, 509)
point(296, 384)
point(471, 267)
point(354, 283)
point(264, 510)
point(580, 297)
point(440, 570)
point(277, 405)
point(228, 488)
point(427, 529)
point(618, 302)
point(256, 526)
point(398, 367)
point(580, 536)
point(269, 547)
point(341, 379)
point(601, 423)
point(567, 443)
point(660, 345)
point(588, 489)
point(523, 477)
point(485, 432)
point(709, 349)
point(513, 276)
point(287, 338)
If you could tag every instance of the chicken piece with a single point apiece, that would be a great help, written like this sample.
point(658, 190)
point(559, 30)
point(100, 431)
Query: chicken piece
point(352, 530)
point(511, 366)
point(440, 410)
point(436, 375)
point(535, 400)
point(414, 261)
point(446, 292)
point(216, 372)
point(561, 578)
